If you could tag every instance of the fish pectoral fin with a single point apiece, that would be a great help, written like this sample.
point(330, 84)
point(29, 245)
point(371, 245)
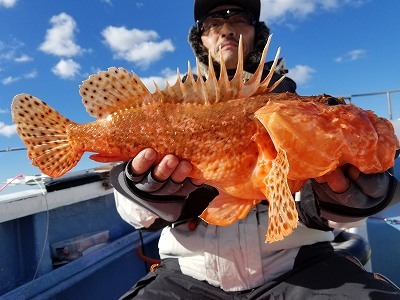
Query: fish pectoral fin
point(108, 158)
point(225, 210)
point(282, 213)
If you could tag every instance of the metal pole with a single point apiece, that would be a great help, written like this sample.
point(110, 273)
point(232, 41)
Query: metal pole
point(388, 94)
point(12, 149)
point(389, 105)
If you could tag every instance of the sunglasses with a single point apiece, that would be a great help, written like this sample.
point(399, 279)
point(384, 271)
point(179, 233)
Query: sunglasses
point(214, 21)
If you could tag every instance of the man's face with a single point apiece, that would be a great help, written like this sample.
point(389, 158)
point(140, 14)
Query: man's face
point(225, 38)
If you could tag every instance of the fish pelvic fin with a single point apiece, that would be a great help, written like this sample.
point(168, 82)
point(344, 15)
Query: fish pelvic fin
point(282, 213)
point(225, 209)
point(44, 132)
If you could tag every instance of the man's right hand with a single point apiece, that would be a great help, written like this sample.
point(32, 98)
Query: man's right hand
point(170, 166)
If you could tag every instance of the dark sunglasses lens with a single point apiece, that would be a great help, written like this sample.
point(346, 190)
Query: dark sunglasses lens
point(217, 19)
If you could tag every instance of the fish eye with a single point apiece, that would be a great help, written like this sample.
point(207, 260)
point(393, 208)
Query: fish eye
point(332, 101)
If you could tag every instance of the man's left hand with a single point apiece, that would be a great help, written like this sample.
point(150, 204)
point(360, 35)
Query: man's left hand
point(339, 179)
point(350, 187)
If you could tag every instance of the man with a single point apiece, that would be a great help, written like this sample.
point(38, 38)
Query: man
point(202, 261)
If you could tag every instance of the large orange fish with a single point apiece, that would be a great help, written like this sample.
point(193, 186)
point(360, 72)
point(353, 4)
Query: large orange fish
point(247, 142)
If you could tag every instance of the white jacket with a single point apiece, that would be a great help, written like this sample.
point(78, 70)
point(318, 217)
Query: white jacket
point(235, 257)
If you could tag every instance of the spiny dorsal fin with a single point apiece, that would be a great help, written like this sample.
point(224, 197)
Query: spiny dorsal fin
point(112, 90)
point(222, 89)
point(116, 89)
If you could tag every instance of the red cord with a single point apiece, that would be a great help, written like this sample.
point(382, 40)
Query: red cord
point(8, 183)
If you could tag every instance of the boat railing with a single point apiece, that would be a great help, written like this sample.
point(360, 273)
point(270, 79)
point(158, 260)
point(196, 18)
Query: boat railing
point(388, 98)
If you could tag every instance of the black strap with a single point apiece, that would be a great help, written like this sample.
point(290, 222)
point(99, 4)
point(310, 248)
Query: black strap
point(308, 210)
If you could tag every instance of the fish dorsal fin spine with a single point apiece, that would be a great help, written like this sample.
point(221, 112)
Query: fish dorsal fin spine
point(203, 95)
point(222, 89)
point(224, 86)
point(254, 82)
point(189, 88)
point(211, 83)
point(264, 85)
point(237, 79)
point(109, 91)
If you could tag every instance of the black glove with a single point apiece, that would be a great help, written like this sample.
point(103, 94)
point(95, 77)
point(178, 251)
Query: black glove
point(366, 192)
point(146, 183)
point(368, 195)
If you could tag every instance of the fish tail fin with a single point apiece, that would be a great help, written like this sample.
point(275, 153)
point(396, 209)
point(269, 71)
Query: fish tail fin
point(44, 132)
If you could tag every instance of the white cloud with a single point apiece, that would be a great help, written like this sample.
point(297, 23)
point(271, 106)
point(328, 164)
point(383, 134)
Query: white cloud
point(7, 55)
point(30, 75)
point(23, 58)
point(8, 3)
point(60, 38)
point(279, 10)
point(3, 111)
point(10, 51)
point(301, 74)
point(9, 80)
point(7, 130)
point(137, 46)
point(352, 55)
point(66, 68)
point(13, 43)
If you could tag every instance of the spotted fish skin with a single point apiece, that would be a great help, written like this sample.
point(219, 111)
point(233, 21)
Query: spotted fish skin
point(242, 139)
point(218, 139)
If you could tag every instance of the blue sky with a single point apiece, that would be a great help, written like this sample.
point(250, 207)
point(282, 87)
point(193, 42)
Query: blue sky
point(47, 47)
